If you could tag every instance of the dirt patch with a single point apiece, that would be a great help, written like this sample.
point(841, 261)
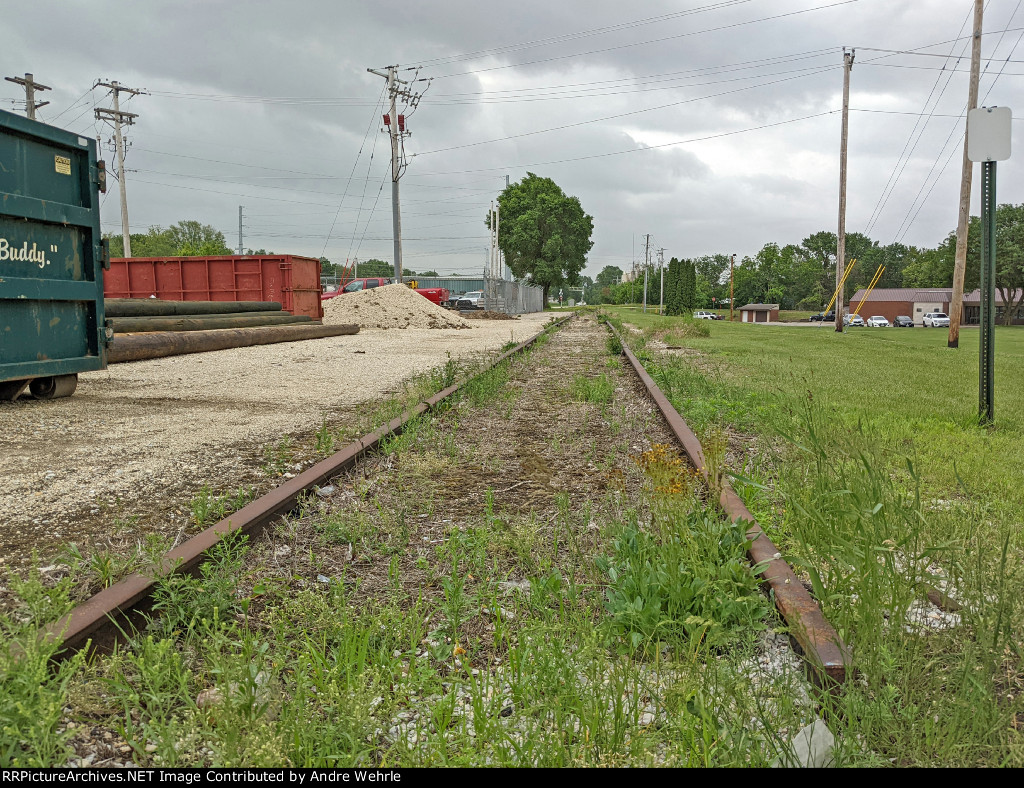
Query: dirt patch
point(487, 314)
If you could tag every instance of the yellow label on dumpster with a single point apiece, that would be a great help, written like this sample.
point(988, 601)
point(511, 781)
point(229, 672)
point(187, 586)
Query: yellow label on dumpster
point(62, 165)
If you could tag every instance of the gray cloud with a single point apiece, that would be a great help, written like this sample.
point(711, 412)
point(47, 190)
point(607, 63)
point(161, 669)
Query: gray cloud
point(267, 104)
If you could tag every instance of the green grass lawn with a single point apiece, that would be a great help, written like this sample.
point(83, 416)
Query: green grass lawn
point(861, 455)
point(904, 387)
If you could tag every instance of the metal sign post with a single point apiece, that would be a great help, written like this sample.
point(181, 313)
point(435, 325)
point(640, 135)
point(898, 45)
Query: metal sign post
point(988, 141)
point(986, 360)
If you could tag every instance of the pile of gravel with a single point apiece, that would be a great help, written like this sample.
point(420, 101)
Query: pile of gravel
point(391, 306)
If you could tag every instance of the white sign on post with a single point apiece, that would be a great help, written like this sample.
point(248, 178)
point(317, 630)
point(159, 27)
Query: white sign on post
point(988, 133)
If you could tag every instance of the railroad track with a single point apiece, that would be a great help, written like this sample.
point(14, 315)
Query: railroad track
point(815, 638)
point(104, 618)
point(475, 545)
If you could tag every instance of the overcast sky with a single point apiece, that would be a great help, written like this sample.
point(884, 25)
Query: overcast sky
point(713, 125)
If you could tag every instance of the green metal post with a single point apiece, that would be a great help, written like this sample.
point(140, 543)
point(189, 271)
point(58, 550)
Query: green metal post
point(986, 369)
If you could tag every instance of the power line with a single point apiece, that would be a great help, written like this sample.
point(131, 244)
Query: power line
point(545, 92)
point(366, 134)
point(904, 112)
point(505, 167)
point(901, 163)
point(619, 115)
point(481, 53)
point(909, 220)
point(650, 41)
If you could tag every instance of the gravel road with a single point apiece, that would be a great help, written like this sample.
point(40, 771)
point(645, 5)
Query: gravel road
point(136, 441)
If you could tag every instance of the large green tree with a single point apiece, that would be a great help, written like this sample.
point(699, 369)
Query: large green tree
point(673, 300)
point(1009, 280)
point(545, 234)
point(155, 242)
point(610, 276)
point(187, 238)
point(195, 239)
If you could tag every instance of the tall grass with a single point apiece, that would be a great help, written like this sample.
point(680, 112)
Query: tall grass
point(873, 477)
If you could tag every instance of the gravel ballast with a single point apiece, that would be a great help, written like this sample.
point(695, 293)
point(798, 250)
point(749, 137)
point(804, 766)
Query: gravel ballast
point(145, 437)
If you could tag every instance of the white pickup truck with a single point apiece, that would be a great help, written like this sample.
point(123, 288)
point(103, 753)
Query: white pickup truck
point(700, 314)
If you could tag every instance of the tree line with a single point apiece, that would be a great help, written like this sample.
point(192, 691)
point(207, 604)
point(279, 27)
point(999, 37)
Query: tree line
point(802, 276)
point(191, 238)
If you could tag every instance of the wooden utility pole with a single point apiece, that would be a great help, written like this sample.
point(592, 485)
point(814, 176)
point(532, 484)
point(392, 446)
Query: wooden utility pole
point(732, 265)
point(841, 235)
point(127, 118)
point(31, 86)
point(490, 233)
point(956, 301)
point(395, 124)
point(241, 249)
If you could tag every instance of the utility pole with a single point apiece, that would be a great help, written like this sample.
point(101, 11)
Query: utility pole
point(661, 270)
point(647, 266)
point(241, 249)
point(497, 244)
point(490, 247)
point(841, 245)
point(960, 261)
point(732, 265)
point(31, 86)
point(127, 118)
point(395, 124)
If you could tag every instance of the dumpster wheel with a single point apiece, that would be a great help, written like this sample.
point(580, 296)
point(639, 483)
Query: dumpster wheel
point(53, 387)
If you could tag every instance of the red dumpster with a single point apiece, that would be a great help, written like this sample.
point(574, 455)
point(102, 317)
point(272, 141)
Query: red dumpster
point(292, 280)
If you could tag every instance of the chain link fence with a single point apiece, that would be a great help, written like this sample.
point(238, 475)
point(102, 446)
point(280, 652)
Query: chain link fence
point(512, 298)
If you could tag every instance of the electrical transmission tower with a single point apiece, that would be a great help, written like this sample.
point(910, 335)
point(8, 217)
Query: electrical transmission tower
point(394, 123)
point(117, 117)
point(31, 86)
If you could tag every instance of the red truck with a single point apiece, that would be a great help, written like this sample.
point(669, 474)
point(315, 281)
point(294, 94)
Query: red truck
point(437, 295)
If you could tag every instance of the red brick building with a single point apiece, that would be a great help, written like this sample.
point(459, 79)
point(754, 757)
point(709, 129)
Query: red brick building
point(914, 302)
point(972, 308)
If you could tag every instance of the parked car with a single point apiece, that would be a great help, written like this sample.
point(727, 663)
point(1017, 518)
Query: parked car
point(902, 321)
point(470, 300)
point(823, 317)
point(853, 320)
point(936, 320)
point(700, 314)
point(356, 285)
point(877, 321)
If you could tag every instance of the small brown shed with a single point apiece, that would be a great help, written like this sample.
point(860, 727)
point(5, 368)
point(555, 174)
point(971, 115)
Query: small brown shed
point(760, 313)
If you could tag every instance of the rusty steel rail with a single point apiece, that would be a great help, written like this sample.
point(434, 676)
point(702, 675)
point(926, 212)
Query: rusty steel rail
point(103, 616)
point(815, 638)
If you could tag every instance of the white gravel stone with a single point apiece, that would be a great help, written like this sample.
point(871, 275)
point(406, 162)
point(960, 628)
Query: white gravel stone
point(183, 419)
